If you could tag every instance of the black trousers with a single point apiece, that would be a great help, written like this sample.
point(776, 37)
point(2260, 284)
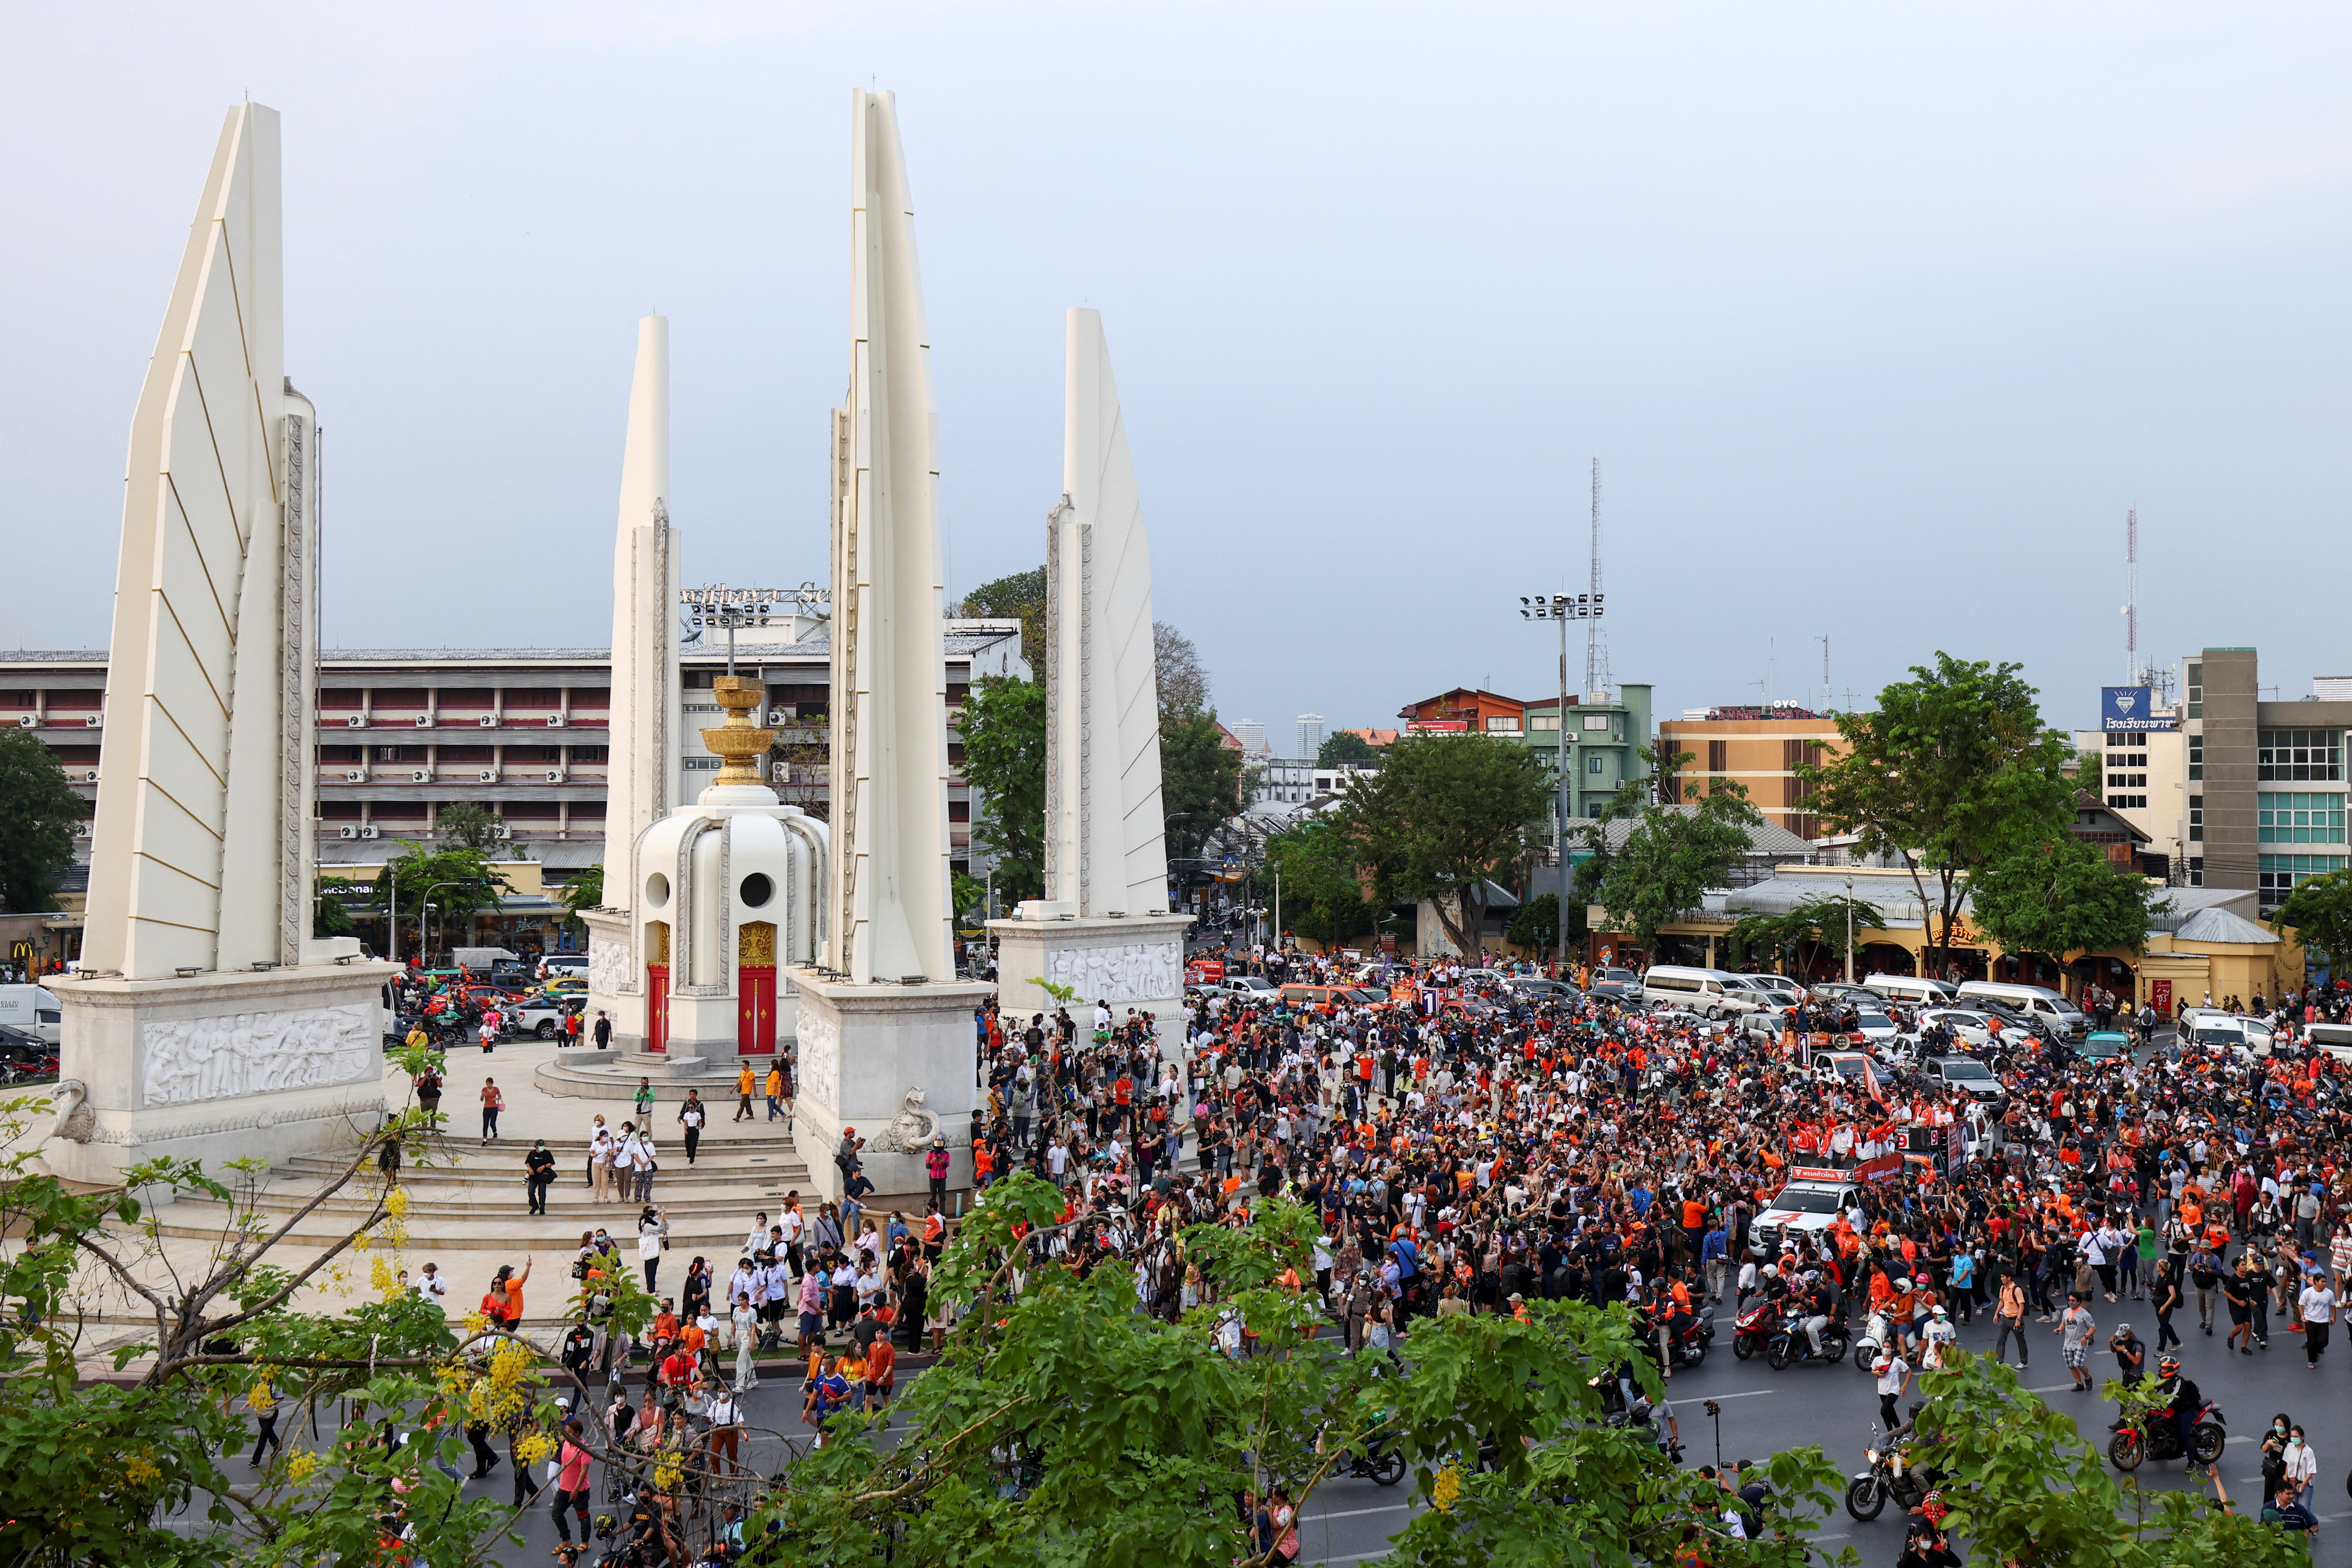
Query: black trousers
point(537, 1188)
point(266, 1437)
point(693, 1138)
point(2315, 1341)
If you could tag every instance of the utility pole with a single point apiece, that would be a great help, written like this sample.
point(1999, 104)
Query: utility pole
point(1564, 608)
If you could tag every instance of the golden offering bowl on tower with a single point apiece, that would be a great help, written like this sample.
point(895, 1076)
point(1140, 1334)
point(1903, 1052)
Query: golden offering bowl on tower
point(741, 745)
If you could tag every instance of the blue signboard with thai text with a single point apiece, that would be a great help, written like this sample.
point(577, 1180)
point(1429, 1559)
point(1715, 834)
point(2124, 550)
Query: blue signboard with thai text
point(2131, 709)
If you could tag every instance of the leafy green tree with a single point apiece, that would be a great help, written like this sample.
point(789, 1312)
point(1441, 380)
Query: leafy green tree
point(1177, 672)
point(1022, 597)
point(1953, 771)
point(1063, 1427)
point(95, 1472)
point(38, 813)
point(1200, 779)
point(1444, 816)
point(329, 915)
point(1345, 746)
point(971, 895)
point(1323, 880)
point(474, 826)
point(1799, 937)
point(2319, 911)
point(1537, 925)
point(2026, 1489)
point(1671, 857)
point(460, 882)
point(2062, 896)
point(585, 891)
point(1005, 758)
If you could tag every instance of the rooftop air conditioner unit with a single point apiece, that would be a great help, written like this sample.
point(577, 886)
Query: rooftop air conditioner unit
point(355, 775)
point(555, 775)
point(422, 775)
point(371, 830)
point(357, 721)
point(81, 828)
point(780, 773)
point(503, 830)
point(490, 720)
point(29, 721)
point(94, 721)
point(425, 721)
point(346, 833)
point(489, 775)
point(90, 777)
point(555, 721)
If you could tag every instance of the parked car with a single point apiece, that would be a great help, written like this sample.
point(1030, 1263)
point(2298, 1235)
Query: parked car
point(1616, 985)
point(1534, 987)
point(2106, 1045)
point(1969, 1025)
point(34, 1009)
point(1855, 997)
point(1246, 988)
point(1967, 1075)
point(1876, 1028)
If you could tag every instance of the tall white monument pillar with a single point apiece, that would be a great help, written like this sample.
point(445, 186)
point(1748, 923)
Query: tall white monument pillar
point(1102, 926)
point(206, 1023)
point(885, 1034)
point(629, 958)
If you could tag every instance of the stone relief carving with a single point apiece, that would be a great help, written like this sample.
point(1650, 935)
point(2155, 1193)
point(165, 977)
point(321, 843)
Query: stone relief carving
point(1140, 972)
point(608, 964)
point(911, 1130)
point(253, 1053)
point(820, 1058)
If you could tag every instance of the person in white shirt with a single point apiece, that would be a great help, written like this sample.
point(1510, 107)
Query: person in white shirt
point(755, 1240)
point(2319, 1304)
point(791, 1223)
point(433, 1288)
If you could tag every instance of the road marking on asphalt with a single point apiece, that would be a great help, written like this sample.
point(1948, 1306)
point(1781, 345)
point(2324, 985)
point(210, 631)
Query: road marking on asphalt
point(1355, 1513)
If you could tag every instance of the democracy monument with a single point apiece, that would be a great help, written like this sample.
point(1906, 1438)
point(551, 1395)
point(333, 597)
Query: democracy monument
point(204, 1022)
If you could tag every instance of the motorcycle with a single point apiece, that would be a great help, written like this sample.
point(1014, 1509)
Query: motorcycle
point(2155, 1437)
point(1690, 1347)
point(1876, 1335)
point(1871, 1487)
point(1752, 1328)
point(1788, 1345)
point(1380, 1463)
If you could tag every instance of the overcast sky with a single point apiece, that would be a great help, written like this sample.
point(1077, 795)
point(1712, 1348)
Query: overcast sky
point(1877, 318)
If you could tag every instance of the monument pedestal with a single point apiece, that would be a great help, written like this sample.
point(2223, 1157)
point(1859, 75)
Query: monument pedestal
point(616, 985)
point(896, 1062)
point(248, 1064)
point(1126, 961)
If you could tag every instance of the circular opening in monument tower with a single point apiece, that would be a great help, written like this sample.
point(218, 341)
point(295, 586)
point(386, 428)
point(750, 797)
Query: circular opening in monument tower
point(657, 889)
point(756, 890)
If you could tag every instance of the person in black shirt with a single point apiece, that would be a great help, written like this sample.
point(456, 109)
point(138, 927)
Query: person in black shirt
point(538, 1167)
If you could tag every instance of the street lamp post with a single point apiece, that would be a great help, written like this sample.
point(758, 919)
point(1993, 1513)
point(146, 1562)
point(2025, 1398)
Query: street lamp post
point(1849, 930)
point(1563, 608)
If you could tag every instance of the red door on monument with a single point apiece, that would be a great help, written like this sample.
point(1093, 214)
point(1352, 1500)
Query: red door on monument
point(755, 1017)
point(657, 1007)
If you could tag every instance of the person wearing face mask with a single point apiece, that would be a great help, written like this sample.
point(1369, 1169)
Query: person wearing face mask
point(2274, 1452)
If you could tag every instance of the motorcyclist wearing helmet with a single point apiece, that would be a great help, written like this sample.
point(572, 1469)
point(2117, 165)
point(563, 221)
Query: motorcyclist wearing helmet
point(2183, 1400)
point(1816, 1307)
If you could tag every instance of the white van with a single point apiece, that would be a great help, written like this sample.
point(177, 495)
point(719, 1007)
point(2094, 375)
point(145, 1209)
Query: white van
point(2335, 1040)
point(2063, 1018)
point(1910, 989)
point(1710, 992)
point(34, 1009)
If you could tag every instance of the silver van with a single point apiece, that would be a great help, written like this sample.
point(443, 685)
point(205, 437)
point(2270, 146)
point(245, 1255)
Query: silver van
point(2335, 1040)
point(1710, 992)
point(2063, 1018)
point(1911, 989)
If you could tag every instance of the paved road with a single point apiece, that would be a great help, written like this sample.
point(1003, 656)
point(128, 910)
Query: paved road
point(1350, 1521)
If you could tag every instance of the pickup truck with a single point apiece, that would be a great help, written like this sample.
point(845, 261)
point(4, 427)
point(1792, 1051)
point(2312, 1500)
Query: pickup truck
point(1810, 1202)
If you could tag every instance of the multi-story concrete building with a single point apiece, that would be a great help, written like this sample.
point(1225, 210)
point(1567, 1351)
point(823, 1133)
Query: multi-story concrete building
point(1310, 742)
point(2141, 777)
point(2263, 800)
point(1759, 748)
point(521, 731)
point(1604, 739)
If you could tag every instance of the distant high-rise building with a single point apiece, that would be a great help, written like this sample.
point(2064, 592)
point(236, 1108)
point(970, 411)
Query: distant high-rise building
point(1311, 736)
point(1251, 734)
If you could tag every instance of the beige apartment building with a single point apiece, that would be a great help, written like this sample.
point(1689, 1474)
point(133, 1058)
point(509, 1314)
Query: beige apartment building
point(1761, 748)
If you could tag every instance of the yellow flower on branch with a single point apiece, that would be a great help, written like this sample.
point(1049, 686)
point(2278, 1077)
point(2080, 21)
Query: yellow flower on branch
point(299, 1466)
point(379, 1275)
point(1447, 1489)
point(669, 1474)
point(362, 1241)
point(534, 1447)
point(395, 1202)
point(139, 1469)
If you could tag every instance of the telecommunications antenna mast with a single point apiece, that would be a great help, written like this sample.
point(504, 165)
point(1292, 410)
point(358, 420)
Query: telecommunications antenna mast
point(2131, 597)
point(1596, 643)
